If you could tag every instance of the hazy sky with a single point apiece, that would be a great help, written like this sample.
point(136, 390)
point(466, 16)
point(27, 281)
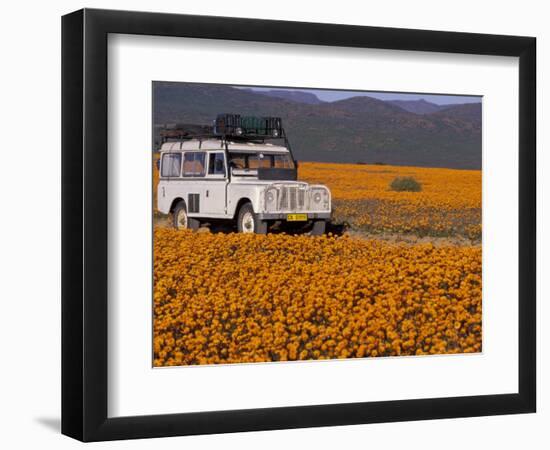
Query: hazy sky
point(330, 96)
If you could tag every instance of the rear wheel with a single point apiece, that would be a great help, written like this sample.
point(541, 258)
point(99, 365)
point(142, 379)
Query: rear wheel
point(319, 227)
point(181, 220)
point(248, 221)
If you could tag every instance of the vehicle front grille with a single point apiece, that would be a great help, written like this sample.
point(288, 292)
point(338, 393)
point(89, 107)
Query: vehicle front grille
point(283, 199)
point(292, 198)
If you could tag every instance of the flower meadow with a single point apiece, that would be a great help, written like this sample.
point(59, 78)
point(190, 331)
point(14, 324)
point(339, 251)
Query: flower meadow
point(233, 298)
point(448, 205)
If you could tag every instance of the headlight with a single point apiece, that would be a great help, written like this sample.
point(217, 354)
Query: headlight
point(271, 200)
point(320, 199)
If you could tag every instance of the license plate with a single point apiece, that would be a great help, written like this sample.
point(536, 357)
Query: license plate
point(296, 217)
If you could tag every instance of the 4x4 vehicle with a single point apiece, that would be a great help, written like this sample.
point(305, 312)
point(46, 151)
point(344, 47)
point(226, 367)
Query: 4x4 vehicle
point(237, 172)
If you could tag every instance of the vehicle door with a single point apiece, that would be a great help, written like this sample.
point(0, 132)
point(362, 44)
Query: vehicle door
point(215, 186)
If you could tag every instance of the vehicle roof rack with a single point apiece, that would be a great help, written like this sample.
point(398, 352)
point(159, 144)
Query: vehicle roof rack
point(184, 131)
point(230, 127)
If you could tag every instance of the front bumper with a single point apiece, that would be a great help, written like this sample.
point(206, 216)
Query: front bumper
point(283, 216)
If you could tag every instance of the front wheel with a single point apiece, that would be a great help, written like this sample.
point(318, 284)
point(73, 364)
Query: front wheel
point(182, 221)
point(248, 222)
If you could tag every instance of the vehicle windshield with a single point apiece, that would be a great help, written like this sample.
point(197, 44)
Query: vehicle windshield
point(261, 160)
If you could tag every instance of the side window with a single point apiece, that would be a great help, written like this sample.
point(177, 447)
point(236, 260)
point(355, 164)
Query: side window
point(171, 165)
point(216, 164)
point(238, 161)
point(193, 164)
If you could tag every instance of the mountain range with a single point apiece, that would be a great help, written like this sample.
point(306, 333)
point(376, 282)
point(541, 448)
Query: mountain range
point(293, 96)
point(358, 129)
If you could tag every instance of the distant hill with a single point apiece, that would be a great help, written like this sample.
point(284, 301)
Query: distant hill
point(469, 112)
point(293, 96)
point(357, 129)
point(417, 106)
point(367, 105)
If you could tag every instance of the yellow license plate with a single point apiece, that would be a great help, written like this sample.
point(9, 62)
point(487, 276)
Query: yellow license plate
point(296, 217)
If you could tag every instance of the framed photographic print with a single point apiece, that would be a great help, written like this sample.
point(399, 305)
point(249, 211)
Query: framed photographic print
point(274, 225)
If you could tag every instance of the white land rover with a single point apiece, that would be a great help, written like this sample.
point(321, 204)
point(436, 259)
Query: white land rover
point(237, 172)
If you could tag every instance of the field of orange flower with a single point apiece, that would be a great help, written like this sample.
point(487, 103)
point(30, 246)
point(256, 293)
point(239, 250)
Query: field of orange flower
point(230, 298)
point(448, 205)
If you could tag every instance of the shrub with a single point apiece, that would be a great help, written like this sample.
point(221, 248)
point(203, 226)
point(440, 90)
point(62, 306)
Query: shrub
point(405, 184)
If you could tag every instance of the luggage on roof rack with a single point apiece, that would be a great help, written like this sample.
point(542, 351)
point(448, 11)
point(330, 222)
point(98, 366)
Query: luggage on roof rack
point(248, 126)
point(227, 124)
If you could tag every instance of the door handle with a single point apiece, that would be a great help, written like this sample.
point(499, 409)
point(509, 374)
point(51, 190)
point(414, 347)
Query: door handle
point(207, 192)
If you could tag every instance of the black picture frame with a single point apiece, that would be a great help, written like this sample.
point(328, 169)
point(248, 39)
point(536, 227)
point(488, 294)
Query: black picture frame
point(84, 224)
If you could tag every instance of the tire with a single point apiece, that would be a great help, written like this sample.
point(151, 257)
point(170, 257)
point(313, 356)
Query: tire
point(319, 227)
point(181, 220)
point(248, 222)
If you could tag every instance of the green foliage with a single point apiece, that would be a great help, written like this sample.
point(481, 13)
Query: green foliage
point(408, 184)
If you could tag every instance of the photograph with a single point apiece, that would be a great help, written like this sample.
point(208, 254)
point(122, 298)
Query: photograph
point(275, 225)
point(300, 224)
